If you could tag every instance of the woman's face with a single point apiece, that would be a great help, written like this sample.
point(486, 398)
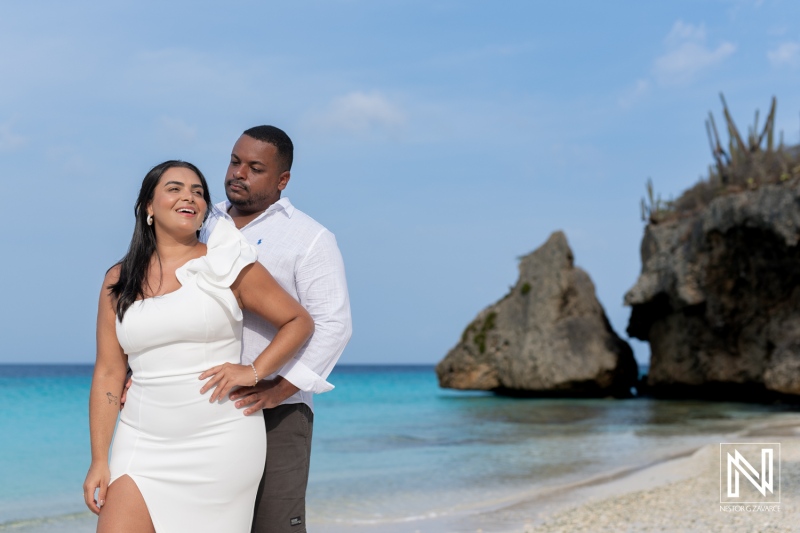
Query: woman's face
point(178, 205)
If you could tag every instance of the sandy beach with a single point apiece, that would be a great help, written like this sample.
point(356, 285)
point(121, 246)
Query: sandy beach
point(681, 493)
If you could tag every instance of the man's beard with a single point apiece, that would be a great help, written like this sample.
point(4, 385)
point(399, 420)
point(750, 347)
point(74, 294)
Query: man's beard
point(254, 202)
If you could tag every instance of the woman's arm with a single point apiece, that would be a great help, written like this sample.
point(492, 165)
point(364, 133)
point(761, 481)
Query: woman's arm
point(258, 292)
point(109, 377)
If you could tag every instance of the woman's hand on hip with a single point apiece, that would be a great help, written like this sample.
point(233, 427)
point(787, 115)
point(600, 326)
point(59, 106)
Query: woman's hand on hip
point(97, 478)
point(225, 377)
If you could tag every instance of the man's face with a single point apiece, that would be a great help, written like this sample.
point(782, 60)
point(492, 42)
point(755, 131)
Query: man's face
point(255, 177)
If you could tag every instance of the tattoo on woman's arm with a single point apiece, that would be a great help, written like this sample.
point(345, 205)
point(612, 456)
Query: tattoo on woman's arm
point(112, 399)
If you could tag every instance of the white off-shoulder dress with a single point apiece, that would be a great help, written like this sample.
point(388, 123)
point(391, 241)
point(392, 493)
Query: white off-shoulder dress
point(197, 464)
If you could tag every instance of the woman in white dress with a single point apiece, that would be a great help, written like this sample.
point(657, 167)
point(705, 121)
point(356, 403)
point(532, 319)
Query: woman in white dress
point(183, 457)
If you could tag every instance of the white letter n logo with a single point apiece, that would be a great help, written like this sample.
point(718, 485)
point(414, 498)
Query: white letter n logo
point(740, 464)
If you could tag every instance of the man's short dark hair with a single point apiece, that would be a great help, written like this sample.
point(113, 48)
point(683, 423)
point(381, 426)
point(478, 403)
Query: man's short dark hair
point(276, 137)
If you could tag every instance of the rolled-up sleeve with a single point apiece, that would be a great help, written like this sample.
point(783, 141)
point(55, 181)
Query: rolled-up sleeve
point(322, 290)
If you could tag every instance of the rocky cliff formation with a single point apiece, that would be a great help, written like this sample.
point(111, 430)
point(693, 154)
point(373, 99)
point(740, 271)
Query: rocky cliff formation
point(719, 297)
point(548, 337)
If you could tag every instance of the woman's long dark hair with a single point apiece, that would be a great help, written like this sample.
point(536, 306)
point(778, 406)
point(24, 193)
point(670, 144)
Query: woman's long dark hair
point(136, 263)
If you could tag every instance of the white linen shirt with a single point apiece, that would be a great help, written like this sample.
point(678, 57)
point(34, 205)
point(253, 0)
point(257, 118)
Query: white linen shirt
point(304, 259)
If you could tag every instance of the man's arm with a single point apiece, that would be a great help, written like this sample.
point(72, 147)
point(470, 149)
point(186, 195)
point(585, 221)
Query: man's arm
point(322, 289)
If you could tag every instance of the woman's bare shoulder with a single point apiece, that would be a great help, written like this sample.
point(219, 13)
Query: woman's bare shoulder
point(112, 275)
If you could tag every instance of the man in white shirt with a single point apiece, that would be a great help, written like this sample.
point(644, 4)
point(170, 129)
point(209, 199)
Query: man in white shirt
point(303, 257)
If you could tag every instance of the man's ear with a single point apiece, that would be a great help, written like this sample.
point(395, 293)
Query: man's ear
point(284, 179)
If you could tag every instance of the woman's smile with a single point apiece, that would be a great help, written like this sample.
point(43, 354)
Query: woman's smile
point(187, 211)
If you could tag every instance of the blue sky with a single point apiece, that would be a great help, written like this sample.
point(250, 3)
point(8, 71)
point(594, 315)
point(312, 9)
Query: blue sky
point(439, 140)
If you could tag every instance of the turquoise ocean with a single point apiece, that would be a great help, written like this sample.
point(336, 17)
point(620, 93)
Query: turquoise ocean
point(390, 446)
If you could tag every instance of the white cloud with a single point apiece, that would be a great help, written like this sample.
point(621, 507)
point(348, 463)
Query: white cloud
point(175, 128)
point(633, 94)
point(787, 53)
point(688, 54)
point(681, 32)
point(10, 141)
point(359, 112)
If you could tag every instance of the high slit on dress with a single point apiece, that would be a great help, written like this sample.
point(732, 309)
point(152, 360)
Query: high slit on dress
point(196, 464)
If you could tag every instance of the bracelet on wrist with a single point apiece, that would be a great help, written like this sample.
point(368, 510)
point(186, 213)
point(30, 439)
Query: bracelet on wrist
point(254, 372)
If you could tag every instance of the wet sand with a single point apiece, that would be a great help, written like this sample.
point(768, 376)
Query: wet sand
point(680, 494)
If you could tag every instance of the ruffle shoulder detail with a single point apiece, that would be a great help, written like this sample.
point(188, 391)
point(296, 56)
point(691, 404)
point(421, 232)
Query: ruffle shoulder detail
point(228, 252)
